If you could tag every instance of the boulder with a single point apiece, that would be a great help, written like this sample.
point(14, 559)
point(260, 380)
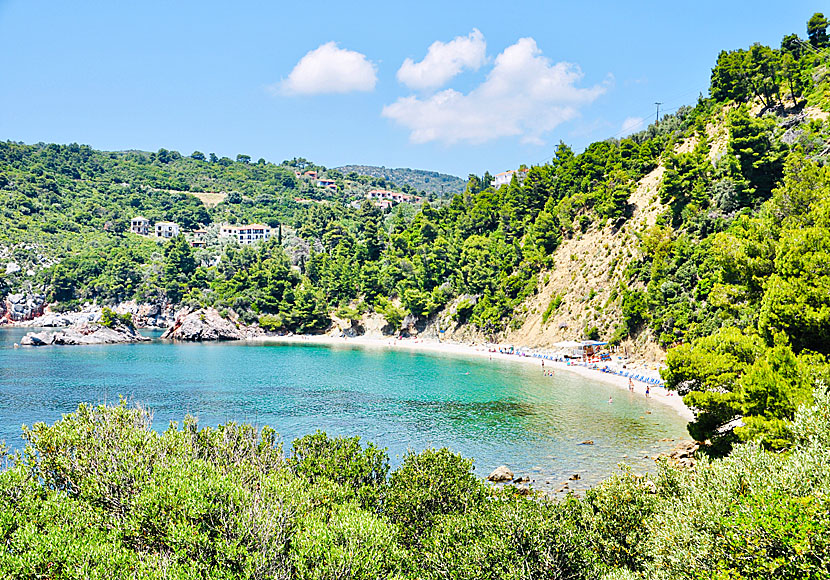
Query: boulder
point(683, 454)
point(502, 473)
point(588, 442)
point(203, 324)
point(84, 333)
point(524, 479)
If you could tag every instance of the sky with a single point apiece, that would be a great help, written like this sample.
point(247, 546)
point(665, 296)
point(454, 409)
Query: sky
point(453, 86)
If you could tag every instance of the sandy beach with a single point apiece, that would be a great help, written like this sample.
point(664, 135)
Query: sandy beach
point(657, 393)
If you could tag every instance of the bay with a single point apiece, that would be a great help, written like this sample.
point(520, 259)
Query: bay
point(497, 412)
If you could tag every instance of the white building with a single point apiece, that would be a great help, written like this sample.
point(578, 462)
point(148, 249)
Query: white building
point(140, 225)
point(167, 230)
point(506, 177)
point(395, 196)
point(247, 234)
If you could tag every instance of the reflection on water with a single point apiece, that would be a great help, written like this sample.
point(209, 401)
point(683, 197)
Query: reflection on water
point(494, 411)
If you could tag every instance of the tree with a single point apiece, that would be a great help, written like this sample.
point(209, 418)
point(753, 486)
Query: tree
point(242, 158)
point(198, 156)
point(706, 373)
point(817, 30)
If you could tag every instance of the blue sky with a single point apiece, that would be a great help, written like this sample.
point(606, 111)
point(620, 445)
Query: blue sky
point(321, 80)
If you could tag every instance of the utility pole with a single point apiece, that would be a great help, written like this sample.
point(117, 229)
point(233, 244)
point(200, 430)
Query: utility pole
point(658, 112)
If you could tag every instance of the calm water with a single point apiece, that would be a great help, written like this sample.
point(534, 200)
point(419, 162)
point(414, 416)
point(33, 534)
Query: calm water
point(496, 412)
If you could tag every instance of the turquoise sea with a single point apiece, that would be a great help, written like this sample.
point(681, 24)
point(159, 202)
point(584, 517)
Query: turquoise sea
point(496, 412)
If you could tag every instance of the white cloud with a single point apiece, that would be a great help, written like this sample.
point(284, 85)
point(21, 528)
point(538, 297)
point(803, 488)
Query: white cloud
point(524, 95)
point(444, 61)
point(329, 69)
point(630, 125)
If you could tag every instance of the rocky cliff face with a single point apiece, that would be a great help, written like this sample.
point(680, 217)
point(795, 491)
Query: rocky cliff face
point(203, 325)
point(21, 307)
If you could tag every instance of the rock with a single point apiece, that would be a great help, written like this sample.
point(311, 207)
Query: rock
point(683, 454)
point(588, 442)
point(502, 473)
point(203, 325)
point(522, 489)
point(524, 479)
point(22, 307)
point(84, 333)
point(575, 477)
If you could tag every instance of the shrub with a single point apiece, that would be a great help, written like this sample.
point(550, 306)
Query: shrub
point(341, 460)
point(428, 485)
point(553, 305)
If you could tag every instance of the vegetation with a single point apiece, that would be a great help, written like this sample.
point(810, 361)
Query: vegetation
point(101, 495)
point(409, 180)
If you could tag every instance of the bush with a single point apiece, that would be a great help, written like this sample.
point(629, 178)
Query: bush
point(341, 460)
point(270, 322)
point(555, 303)
point(431, 484)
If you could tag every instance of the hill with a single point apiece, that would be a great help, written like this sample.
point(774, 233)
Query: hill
point(418, 179)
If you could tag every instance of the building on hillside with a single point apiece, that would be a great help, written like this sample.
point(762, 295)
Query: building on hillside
point(246, 234)
point(140, 225)
point(326, 183)
point(506, 177)
point(166, 230)
point(197, 238)
point(394, 196)
point(310, 175)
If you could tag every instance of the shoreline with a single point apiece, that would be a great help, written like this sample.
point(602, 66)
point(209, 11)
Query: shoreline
point(657, 393)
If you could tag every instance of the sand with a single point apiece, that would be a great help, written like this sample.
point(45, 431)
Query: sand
point(658, 394)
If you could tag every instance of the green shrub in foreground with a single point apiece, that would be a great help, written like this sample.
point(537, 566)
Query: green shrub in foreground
point(101, 495)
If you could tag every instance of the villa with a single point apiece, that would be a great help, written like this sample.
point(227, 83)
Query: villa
point(394, 196)
point(166, 230)
point(140, 225)
point(246, 234)
point(506, 177)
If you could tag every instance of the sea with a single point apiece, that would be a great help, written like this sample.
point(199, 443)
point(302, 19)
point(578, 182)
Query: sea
point(496, 412)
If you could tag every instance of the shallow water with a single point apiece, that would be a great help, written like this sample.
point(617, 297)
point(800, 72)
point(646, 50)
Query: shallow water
point(497, 412)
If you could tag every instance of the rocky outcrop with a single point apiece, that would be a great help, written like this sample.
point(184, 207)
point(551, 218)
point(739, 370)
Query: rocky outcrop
point(148, 315)
point(502, 473)
point(683, 454)
point(22, 307)
point(203, 325)
point(84, 333)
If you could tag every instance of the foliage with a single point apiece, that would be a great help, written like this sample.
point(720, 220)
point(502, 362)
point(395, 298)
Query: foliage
point(100, 494)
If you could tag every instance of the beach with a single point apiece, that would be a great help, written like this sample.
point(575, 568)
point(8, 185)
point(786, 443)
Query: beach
point(657, 393)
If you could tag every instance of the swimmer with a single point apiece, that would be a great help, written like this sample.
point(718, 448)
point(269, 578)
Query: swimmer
point(610, 399)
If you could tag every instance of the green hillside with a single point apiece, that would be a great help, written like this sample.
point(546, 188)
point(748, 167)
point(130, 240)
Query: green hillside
point(428, 182)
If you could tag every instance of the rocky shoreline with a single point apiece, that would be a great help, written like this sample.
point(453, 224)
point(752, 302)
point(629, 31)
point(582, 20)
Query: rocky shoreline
point(85, 333)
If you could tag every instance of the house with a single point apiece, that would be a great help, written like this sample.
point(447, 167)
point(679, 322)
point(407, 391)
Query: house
point(166, 230)
point(197, 238)
point(140, 225)
point(326, 183)
point(310, 174)
point(506, 177)
point(394, 196)
point(246, 234)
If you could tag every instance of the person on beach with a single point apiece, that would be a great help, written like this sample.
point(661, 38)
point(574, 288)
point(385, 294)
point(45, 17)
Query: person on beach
point(648, 391)
point(630, 385)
